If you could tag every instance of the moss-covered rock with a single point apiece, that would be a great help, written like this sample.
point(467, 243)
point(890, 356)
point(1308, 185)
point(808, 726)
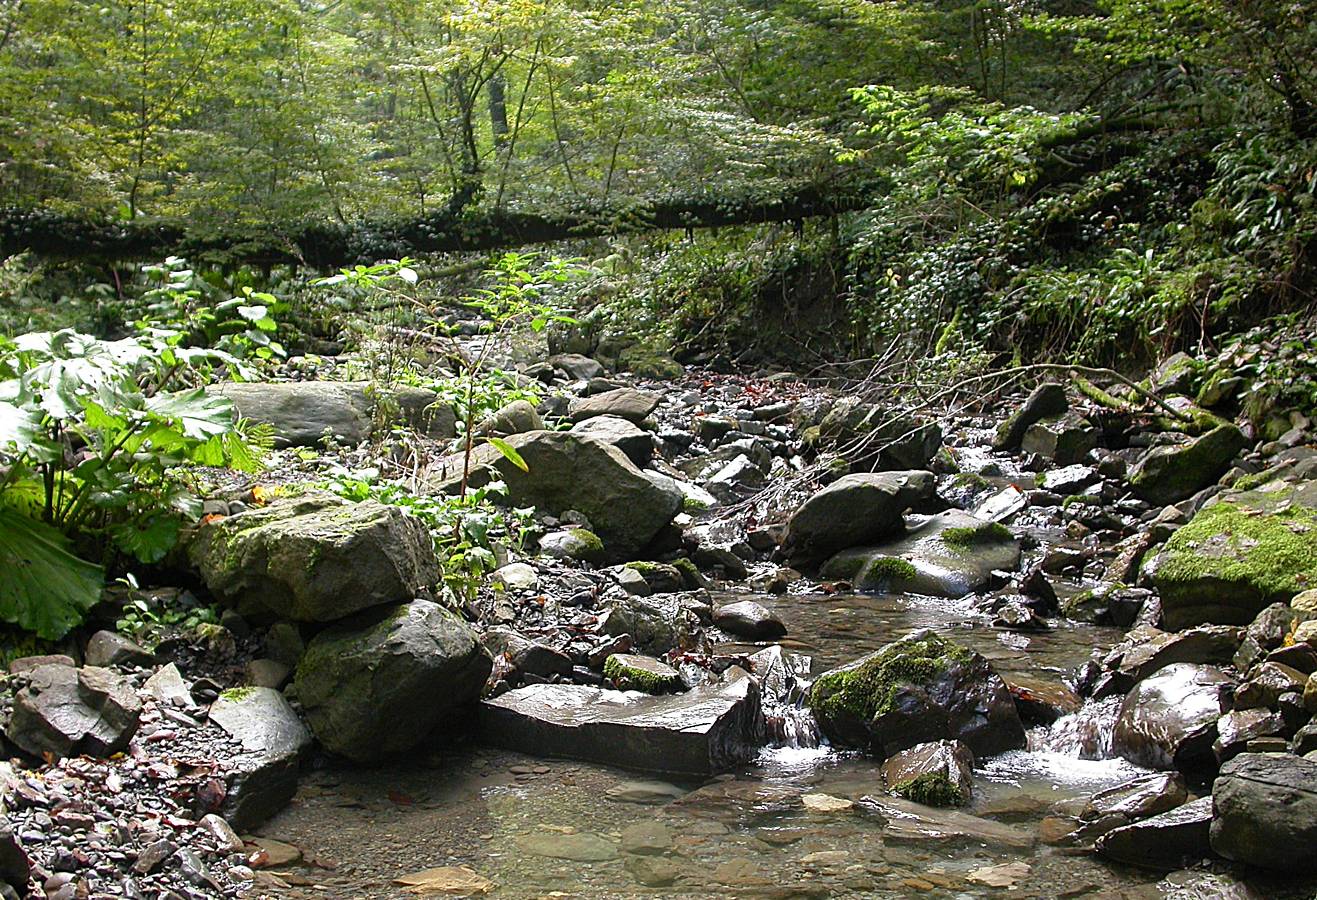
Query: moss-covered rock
point(1243, 551)
point(1046, 401)
point(629, 672)
point(315, 558)
point(1065, 439)
point(919, 689)
point(1170, 474)
point(949, 555)
point(937, 773)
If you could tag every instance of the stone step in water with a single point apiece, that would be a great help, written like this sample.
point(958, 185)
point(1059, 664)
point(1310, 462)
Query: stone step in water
point(700, 732)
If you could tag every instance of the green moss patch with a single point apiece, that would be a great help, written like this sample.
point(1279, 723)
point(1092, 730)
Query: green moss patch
point(987, 533)
point(630, 677)
point(868, 688)
point(888, 568)
point(1274, 553)
point(238, 694)
point(930, 789)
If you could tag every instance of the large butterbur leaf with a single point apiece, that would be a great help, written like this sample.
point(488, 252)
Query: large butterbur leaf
point(44, 588)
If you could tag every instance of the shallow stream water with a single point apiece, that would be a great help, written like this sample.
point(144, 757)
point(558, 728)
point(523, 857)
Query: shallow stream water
point(538, 827)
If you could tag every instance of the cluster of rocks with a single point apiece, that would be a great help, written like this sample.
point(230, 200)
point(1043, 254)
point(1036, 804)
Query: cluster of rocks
point(604, 643)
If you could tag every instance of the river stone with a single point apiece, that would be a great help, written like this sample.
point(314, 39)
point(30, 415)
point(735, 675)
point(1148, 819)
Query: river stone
point(648, 838)
point(1241, 552)
point(625, 403)
point(631, 439)
point(514, 418)
point(631, 672)
point(891, 441)
point(1039, 699)
point(1239, 726)
point(1266, 682)
point(852, 511)
point(1265, 811)
point(656, 624)
point(263, 778)
point(578, 846)
point(377, 688)
point(579, 544)
point(1168, 840)
point(950, 554)
point(526, 656)
point(1147, 650)
point(749, 620)
point(937, 773)
point(1169, 720)
point(316, 558)
point(916, 823)
point(1138, 798)
point(303, 412)
point(918, 689)
point(15, 868)
point(1266, 632)
point(1047, 401)
point(70, 712)
point(1176, 472)
point(701, 732)
point(573, 471)
point(1065, 440)
point(106, 648)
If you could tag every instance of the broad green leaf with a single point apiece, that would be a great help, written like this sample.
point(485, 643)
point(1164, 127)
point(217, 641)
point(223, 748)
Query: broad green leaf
point(509, 453)
point(44, 588)
point(147, 539)
point(253, 313)
point(198, 414)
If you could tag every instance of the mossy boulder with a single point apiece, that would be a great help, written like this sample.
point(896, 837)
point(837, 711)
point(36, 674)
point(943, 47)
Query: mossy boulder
point(921, 688)
point(1065, 439)
point(375, 688)
point(566, 470)
point(1175, 472)
point(315, 558)
point(656, 624)
point(1239, 553)
point(950, 554)
point(630, 672)
point(580, 544)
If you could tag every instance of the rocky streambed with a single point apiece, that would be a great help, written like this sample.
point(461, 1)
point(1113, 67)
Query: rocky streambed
point(761, 639)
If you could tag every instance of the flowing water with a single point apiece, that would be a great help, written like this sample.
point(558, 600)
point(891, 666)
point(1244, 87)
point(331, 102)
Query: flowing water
point(791, 824)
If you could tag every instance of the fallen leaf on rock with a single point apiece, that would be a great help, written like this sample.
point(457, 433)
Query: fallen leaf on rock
point(458, 881)
point(1004, 875)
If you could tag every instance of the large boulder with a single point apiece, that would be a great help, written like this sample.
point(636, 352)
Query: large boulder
point(950, 554)
point(1047, 401)
point(1175, 472)
point(572, 471)
point(315, 558)
point(854, 510)
point(1168, 840)
point(263, 777)
point(631, 439)
point(375, 689)
point(1241, 552)
point(703, 731)
point(65, 711)
point(874, 439)
point(303, 412)
point(1169, 720)
point(921, 688)
point(1065, 440)
point(1265, 811)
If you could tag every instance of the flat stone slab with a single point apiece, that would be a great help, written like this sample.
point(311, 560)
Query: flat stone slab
point(263, 778)
point(909, 821)
point(700, 732)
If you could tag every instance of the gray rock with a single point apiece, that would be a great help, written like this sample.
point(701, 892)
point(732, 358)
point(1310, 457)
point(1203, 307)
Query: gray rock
point(703, 731)
point(748, 619)
point(950, 554)
point(1047, 401)
point(1238, 727)
point(909, 822)
point(1266, 632)
point(1065, 440)
point(656, 624)
point(263, 778)
point(1169, 720)
point(636, 443)
point(1138, 798)
point(316, 559)
point(572, 471)
point(1265, 811)
point(1146, 651)
point(168, 686)
point(267, 673)
point(526, 655)
point(105, 649)
point(891, 441)
point(625, 403)
point(577, 846)
point(516, 577)
point(376, 689)
point(302, 412)
point(69, 712)
point(1178, 837)
point(739, 477)
point(918, 689)
point(631, 672)
point(579, 544)
point(514, 418)
point(937, 773)
point(1173, 473)
point(14, 864)
point(577, 367)
point(853, 511)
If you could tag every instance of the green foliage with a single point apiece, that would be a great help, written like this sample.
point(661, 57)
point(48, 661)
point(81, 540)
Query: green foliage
point(148, 619)
point(47, 590)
